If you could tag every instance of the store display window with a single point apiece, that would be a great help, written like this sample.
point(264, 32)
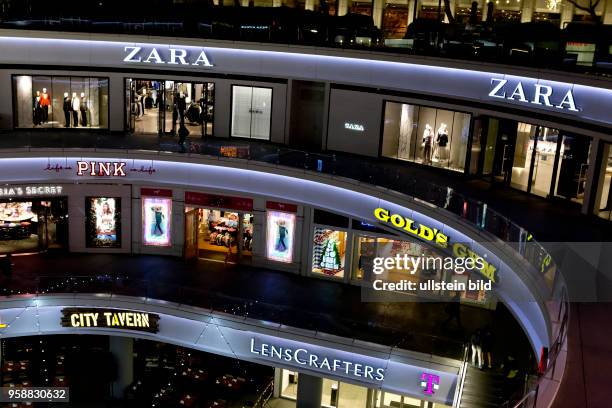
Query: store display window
point(289, 384)
point(281, 232)
point(60, 101)
point(428, 136)
point(33, 225)
point(156, 221)
point(103, 222)
point(251, 112)
point(328, 252)
point(220, 235)
point(162, 106)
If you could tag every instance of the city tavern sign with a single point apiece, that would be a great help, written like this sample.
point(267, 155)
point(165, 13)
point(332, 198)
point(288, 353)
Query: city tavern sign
point(171, 56)
point(543, 95)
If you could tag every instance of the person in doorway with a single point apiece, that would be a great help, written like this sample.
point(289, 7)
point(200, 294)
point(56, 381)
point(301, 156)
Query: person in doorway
point(487, 345)
point(183, 133)
point(476, 346)
point(7, 266)
point(453, 310)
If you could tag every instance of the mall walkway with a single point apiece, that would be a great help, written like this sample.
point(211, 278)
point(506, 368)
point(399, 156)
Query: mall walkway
point(299, 301)
point(549, 220)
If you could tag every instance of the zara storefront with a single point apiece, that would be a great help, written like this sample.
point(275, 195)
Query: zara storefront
point(545, 136)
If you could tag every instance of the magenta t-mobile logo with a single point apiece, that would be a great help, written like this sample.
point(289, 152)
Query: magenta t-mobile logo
point(430, 383)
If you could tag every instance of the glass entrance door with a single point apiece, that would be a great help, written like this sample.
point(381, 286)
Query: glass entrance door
point(498, 146)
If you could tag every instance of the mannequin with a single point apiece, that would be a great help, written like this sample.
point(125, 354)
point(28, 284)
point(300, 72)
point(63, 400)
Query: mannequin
point(45, 102)
point(67, 109)
point(76, 104)
point(427, 144)
point(442, 142)
point(38, 110)
point(180, 106)
point(83, 109)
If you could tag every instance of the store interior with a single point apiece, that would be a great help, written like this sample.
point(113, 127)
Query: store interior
point(32, 226)
point(160, 107)
point(222, 235)
point(328, 252)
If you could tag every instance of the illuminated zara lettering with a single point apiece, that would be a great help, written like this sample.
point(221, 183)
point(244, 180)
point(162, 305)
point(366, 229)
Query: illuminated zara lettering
point(542, 95)
point(303, 357)
point(172, 56)
point(354, 126)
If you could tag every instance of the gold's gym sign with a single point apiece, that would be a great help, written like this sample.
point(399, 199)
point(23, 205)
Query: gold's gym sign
point(110, 319)
point(435, 236)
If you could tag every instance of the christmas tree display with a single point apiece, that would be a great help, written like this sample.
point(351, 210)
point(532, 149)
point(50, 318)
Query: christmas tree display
point(330, 261)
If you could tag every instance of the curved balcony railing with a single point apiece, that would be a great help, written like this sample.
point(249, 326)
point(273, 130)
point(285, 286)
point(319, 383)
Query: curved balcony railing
point(478, 213)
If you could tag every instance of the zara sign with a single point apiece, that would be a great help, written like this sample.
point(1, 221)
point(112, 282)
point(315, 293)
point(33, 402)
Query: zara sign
point(543, 95)
point(172, 56)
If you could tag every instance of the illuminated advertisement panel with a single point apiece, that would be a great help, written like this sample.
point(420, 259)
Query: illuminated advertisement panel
point(156, 221)
point(281, 229)
point(103, 222)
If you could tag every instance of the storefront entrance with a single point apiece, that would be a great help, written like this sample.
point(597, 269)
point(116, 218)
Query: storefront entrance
point(219, 235)
point(160, 107)
point(33, 225)
point(539, 160)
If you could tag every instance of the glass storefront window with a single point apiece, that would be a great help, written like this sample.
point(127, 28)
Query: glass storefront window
point(33, 225)
point(54, 101)
point(251, 112)
point(289, 384)
point(429, 136)
point(603, 198)
point(548, 155)
point(329, 397)
point(328, 252)
point(385, 399)
point(161, 107)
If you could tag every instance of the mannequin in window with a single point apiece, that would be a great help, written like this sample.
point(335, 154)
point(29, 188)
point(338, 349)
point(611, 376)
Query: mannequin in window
point(37, 108)
point(67, 109)
point(83, 109)
point(427, 144)
point(181, 105)
point(442, 143)
point(45, 102)
point(76, 105)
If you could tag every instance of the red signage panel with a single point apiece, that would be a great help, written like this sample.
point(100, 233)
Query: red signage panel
point(218, 201)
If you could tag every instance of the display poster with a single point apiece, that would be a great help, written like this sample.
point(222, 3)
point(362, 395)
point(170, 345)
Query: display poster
point(156, 221)
point(103, 222)
point(281, 230)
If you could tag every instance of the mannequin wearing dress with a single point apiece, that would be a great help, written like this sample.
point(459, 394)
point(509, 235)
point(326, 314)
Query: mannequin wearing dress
point(427, 144)
point(45, 102)
point(442, 142)
point(38, 110)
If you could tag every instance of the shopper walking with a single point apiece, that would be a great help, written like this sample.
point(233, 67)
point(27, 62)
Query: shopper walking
point(487, 345)
point(453, 310)
point(183, 133)
point(476, 345)
point(7, 266)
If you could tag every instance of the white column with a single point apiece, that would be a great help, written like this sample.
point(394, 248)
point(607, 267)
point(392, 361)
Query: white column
point(528, 9)
point(567, 13)
point(453, 6)
point(411, 6)
point(342, 7)
point(377, 12)
point(607, 12)
point(309, 5)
